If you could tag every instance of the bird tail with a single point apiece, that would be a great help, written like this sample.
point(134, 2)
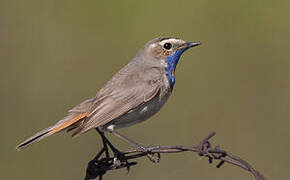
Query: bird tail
point(59, 126)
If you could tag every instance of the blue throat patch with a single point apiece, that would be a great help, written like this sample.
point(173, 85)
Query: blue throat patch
point(172, 61)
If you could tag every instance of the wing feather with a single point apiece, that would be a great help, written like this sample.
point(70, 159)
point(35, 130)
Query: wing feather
point(122, 94)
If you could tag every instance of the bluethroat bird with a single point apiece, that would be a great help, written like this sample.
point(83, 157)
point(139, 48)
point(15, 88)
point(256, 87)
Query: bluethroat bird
point(134, 94)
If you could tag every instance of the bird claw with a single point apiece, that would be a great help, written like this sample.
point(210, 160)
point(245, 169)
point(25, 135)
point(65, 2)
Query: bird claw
point(120, 161)
point(153, 158)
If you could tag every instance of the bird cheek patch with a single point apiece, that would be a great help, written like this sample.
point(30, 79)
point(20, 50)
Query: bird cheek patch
point(166, 53)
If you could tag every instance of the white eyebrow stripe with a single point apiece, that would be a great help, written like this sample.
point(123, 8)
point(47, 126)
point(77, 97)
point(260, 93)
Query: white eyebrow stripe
point(172, 40)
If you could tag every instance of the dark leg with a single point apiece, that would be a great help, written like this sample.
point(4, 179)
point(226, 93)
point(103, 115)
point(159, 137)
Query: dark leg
point(118, 154)
point(98, 166)
point(106, 142)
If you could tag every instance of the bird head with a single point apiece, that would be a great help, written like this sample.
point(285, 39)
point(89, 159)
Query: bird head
point(161, 48)
point(166, 51)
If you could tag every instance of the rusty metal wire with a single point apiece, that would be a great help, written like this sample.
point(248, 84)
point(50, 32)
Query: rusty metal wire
point(100, 166)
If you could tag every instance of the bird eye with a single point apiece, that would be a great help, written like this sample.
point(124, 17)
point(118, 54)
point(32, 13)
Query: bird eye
point(167, 46)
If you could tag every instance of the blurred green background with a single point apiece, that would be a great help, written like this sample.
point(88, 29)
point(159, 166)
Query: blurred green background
point(55, 54)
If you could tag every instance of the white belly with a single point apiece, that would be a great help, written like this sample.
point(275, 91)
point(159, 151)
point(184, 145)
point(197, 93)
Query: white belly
point(139, 114)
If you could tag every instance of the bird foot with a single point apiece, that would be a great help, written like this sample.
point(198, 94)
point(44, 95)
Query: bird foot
point(120, 160)
point(153, 157)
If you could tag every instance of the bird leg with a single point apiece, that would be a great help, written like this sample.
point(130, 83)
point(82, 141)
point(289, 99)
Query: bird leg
point(98, 166)
point(117, 154)
point(107, 143)
point(146, 150)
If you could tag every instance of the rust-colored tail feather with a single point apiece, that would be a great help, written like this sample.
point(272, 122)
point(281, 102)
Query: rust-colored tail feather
point(68, 123)
point(59, 126)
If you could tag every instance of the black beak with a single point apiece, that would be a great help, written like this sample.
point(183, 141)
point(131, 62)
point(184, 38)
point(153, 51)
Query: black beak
point(192, 44)
point(189, 45)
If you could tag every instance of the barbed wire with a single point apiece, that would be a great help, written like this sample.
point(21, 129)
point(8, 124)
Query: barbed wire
point(99, 166)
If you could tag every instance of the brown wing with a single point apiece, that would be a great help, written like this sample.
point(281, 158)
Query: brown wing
point(126, 91)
